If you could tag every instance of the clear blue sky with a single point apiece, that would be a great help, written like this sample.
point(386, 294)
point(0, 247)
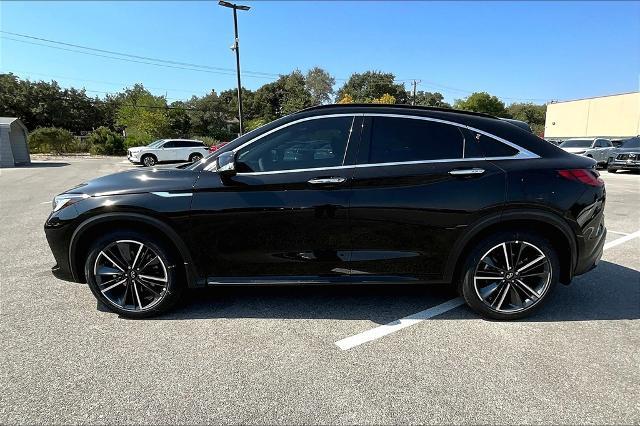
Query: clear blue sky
point(515, 50)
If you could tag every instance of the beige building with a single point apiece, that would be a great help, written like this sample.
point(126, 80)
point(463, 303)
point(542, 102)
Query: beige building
point(614, 117)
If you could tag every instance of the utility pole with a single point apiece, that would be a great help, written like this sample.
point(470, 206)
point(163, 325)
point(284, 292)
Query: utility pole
point(415, 84)
point(236, 48)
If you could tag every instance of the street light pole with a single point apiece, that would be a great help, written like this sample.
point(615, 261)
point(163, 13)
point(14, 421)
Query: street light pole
point(236, 48)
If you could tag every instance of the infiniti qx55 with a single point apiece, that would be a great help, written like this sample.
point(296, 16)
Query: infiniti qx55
point(342, 194)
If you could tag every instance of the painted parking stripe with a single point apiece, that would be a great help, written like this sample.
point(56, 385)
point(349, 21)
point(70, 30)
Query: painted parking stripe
point(383, 330)
point(621, 240)
point(392, 327)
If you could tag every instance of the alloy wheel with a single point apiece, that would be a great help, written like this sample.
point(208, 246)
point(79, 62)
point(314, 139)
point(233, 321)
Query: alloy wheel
point(196, 158)
point(131, 275)
point(149, 161)
point(512, 276)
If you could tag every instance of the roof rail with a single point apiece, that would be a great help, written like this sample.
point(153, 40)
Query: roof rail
point(399, 106)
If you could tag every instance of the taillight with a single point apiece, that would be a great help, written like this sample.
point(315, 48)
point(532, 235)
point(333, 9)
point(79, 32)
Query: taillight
point(586, 176)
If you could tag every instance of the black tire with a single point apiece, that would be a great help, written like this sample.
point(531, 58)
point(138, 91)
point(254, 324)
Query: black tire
point(152, 296)
point(610, 170)
point(533, 244)
point(195, 157)
point(149, 160)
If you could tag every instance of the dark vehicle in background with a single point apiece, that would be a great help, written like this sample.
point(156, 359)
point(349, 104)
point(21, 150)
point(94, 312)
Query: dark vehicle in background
point(373, 194)
point(626, 156)
point(523, 125)
point(597, 148)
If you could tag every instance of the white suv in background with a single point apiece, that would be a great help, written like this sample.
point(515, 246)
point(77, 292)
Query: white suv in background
point(168, 150)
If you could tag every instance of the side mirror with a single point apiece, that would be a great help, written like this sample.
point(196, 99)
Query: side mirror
point(226, 163)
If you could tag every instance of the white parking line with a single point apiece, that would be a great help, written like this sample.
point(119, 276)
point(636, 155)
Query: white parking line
point(392, 327)
point(621, 240)
point(381, 331)
point(617, 232)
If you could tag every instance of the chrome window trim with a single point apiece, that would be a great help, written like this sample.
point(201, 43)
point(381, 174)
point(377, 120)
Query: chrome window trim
point(523, 154)
point(165, 194)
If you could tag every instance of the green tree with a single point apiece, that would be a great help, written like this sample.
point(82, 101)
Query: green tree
point(530, 113)
point(295, 96)
point(208, 114)
point(482, 102)
point(143, 115)
point(179, 119)
point(432, 99)
point(370, 85)
point(320, 85)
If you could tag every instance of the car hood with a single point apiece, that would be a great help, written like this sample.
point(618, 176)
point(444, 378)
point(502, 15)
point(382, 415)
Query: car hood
point(139, 181)
point(575, 150)
point(137, 148)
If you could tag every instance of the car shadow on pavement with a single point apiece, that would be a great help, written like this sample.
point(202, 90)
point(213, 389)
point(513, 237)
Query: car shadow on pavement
point(609, 292)
point(41, 164)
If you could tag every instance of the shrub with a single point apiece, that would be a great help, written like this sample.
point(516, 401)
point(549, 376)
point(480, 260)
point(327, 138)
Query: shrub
point(51, 139)
point(103, 141)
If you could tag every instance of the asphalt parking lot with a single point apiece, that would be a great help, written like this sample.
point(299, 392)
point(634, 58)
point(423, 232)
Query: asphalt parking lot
point(308, 354)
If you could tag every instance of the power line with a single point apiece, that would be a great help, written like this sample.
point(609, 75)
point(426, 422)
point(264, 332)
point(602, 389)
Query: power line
point(146, 58)
point(131, 60)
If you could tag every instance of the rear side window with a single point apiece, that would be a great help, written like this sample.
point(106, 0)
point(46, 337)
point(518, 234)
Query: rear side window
point(478, 145)
point(405, 139)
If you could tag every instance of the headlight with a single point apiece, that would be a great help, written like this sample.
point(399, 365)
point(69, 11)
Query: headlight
point(63, 200)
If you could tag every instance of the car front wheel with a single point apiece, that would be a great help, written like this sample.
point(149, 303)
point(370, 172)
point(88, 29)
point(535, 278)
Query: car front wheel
point(149, 160)
point(510, 275)
point(132, 274)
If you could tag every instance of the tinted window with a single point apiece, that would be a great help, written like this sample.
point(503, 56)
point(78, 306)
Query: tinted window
point(309, 144)
point(190, 144)
point(631, 143)
point(576, 143)
point(170, 144)
point(405, 139)
point(479, 145)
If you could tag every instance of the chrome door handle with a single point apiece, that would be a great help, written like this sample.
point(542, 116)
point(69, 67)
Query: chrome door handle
point(325, 181)
point(466, 172)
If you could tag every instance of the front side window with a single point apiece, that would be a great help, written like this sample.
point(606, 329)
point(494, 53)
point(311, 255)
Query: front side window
point(170, 144)
point(405, 139)
point(156, 144)
point(309, 144)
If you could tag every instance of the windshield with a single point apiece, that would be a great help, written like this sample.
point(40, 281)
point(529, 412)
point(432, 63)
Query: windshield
point(631, 143)
point(156, 144)
point(576, 143)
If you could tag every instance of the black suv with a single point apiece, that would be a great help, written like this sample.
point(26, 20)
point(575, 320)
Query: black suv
point(342, 194)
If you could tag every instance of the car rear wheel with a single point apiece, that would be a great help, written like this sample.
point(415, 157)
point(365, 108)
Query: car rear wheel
point(149, 160)
point(195, 157)
point(510, 275)
point(132, 274)
point(610, 170)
